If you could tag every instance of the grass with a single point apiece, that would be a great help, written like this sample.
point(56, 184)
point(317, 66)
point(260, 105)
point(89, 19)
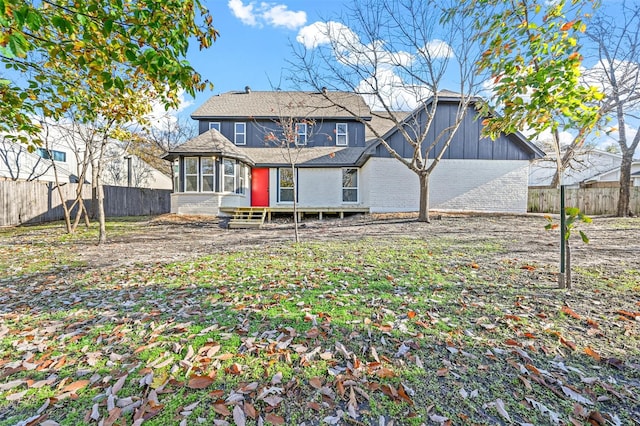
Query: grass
point(413, 330)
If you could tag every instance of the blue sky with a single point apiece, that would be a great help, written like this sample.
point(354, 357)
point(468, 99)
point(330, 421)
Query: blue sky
point(254, 42)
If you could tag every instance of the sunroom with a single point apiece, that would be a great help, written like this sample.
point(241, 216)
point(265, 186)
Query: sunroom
point(209, 173)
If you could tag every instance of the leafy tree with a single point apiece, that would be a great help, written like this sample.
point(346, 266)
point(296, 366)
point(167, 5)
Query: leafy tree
point(397, 54)
point(71, 50)
point(531, 50)
point(616, 47)
point(100, 61)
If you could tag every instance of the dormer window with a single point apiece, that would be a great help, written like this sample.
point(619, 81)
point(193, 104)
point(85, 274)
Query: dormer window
point(214, 125)
point(342, 134)
point(301, 133)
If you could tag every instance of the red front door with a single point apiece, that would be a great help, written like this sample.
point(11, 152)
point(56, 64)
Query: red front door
point(260, 187)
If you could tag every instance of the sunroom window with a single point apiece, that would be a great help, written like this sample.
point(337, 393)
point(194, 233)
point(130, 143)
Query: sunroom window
point(208, 167)
point(191, 173)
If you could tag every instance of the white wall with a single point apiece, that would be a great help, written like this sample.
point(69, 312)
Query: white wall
point(317, 187)
point(467, 185)
point(206, 203)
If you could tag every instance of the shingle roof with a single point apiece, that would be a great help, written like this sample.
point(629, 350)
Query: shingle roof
point(321, 156)
point(381, 122)
point(214, 143)
point(272, 104)
point(210, 142)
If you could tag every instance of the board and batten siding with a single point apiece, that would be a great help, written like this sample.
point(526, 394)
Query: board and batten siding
point(467, 142)
point(468, 185)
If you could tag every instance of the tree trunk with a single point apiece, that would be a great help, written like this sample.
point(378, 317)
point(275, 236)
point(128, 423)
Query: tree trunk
point(423, 212)
point(625, 184)
point(295, 204)
point(101, 219)
point(567, 264)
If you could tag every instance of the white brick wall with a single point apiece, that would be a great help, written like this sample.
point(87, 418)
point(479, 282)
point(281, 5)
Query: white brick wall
point(470, 185)
point(206, 203)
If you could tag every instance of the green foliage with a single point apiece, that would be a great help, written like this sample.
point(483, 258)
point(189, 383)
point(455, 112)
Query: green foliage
point(573, 217)
point(86, 54)
point(532, 53)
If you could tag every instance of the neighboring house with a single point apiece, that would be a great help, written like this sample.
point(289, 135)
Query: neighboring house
point(611, 178)
point(585, 164)
point(340, 165)
point(119, 169)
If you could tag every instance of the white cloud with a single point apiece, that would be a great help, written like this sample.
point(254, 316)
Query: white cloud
point(396, 93)
point(242, 12)
point(163, 119)
point(280, 16)
point(320, 33)
point(276, 15)
point(438, 49)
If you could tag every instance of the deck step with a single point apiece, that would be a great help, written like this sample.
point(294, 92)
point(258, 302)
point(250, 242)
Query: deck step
point(248, 217)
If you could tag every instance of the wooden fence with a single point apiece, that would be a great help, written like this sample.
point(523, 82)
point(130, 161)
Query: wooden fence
point(591, 201)
point(23, 202)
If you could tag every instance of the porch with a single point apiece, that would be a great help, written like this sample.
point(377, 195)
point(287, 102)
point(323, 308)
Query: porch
point(302, 211)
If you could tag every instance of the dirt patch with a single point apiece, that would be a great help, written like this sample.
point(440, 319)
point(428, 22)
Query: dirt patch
point(614, 242)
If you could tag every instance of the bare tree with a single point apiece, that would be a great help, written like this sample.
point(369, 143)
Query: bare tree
point(291, 135)
point(160, 137)
point(397, 54)
point(16, 160)
point(617, 50)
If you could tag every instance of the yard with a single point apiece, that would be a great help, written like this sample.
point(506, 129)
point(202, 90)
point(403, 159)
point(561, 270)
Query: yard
point(370, 321)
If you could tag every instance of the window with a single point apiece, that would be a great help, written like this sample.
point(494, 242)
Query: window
point(285, 185)
point(240, 181)
point(214, 125)
point(176, 176)
point(240, 134)
point(341, 134)
point(191, 174)
point(349, 185)
point(208, 167)
point(301, 133)
point(51, 154)
point(228, 175)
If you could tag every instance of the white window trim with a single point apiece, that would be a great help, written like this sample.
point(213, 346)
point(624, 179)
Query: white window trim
point(236, 133)
point(202, 175)
point(357, 187)
point(241, 178)
point(197, 175)
point(224, 176)
point(345, 134)
point(293, 188)
point(212, 125)
point(299, 133)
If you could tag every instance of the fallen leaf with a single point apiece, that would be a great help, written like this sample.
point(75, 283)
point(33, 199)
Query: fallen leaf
point(221, 409)
point(315, 382)
point(571, 393)
point(238, 416)
point(593, 354)
point(567, 310)
point(75, 386)
point(199, 382)
point(501, 410)
point(250, 410)
point(568, 343)
point(274, 419)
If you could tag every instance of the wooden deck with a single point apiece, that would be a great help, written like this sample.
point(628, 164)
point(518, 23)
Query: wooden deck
point(320, 212)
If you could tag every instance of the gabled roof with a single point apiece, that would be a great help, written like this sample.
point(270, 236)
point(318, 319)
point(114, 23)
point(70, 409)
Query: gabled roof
point(210, 142)
point(273, 104)
point(449, 96)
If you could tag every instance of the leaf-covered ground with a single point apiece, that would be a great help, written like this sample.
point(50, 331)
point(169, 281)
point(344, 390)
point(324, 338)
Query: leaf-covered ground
point(367, 322)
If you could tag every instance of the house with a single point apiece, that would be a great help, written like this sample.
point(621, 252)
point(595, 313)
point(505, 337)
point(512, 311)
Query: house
point(66, 149)
point(585, 164)
point(611, 178)
point(339, 165)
